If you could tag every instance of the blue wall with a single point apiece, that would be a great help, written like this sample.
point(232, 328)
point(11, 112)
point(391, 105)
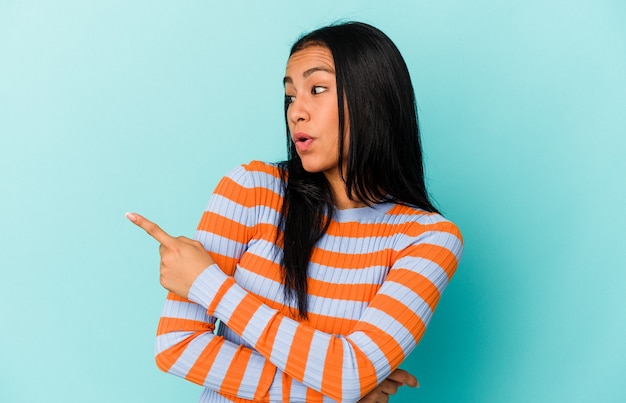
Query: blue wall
point(110, 106)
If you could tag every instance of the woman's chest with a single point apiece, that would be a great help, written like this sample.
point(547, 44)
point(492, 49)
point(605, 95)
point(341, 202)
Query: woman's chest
point(344, 275)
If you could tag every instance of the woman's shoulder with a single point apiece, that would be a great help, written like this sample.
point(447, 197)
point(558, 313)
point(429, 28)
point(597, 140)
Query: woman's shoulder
point(262, 167)
point(426, 220)
point(257, 175)
point(420, 227)
point(254, 171)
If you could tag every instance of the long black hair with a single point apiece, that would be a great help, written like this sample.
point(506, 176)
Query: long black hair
point(384, 158)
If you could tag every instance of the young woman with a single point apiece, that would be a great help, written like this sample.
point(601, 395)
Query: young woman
point(324, 270)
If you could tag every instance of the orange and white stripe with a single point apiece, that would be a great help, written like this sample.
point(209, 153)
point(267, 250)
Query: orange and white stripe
point(375, 279)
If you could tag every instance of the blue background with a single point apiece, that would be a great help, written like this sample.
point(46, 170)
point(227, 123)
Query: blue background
point(111, 106)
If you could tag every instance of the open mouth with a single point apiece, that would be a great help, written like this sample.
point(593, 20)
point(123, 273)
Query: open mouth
point(300, 138)
point(302, 141)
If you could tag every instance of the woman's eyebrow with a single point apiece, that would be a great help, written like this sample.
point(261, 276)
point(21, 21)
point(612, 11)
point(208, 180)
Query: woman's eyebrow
point(288, 80)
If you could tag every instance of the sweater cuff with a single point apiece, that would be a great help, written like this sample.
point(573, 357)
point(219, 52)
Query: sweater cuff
point(224, 299)
point(209, 287)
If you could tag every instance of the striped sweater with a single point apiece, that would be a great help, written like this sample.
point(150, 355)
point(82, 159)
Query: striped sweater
point(375, 278)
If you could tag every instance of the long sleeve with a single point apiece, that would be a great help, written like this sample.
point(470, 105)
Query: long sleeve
point(186, 345)
point(346, 367)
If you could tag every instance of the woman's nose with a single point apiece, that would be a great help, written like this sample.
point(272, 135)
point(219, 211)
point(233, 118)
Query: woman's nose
point(297, 110)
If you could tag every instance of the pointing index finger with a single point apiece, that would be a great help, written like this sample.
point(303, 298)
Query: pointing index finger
point(151, 228)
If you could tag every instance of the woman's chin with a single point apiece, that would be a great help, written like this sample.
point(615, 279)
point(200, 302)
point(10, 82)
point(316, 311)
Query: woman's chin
point(311, 167)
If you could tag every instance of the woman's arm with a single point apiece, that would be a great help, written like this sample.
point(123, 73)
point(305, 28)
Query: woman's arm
point(186, 345)
point(344, 367)
point(341, 367)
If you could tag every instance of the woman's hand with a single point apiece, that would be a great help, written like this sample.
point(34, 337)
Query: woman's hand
point(182, 259)
point(390, 386)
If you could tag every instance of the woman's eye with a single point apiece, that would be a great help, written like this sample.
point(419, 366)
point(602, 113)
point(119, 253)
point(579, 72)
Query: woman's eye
point(289, 99)
point(318, 90)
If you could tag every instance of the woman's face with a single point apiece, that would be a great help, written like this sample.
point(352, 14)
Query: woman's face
point(312, 114)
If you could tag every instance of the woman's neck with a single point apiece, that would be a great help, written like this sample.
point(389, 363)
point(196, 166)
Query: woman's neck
point(340, 194)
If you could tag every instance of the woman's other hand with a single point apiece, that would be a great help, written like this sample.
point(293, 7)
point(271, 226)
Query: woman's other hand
point(390, 386)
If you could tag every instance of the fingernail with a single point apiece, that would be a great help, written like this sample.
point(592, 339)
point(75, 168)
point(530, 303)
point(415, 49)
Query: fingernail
point(131, 217)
